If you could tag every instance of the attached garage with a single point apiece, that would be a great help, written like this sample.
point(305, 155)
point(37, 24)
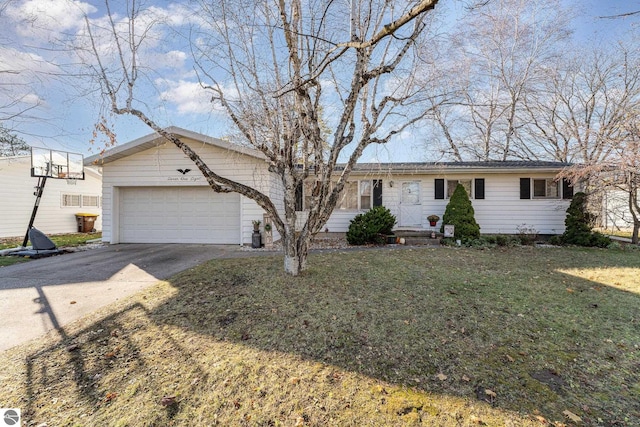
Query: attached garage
point(178, 215)
point(153, 193)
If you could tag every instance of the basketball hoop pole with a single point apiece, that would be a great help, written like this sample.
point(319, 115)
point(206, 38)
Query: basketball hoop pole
point(42, 180)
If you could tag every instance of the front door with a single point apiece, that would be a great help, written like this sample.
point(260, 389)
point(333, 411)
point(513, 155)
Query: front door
point(410, 205)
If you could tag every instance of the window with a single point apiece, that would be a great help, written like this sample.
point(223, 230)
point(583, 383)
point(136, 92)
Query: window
point(349, 196)
point(90, 201)
point(355, 195)
point(546, 189)
point(80, 200)
point(71, 200)
point(453, 183)
point(365, 195)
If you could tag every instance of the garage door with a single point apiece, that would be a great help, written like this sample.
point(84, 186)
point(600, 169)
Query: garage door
point(178, 215)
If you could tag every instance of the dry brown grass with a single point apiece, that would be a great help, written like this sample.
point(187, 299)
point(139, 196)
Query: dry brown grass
point(451, 337)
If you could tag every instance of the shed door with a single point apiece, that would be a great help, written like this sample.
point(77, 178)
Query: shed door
point(410, 205)
point(178, 215)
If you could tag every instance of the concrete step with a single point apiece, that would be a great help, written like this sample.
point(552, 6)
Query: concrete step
point(421, 241)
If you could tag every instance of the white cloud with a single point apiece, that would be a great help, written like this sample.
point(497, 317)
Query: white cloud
point(188, 97)
point(43, 19)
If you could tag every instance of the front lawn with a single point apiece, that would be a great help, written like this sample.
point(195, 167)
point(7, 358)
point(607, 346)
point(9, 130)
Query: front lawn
point(61, 240)
point(446, 336)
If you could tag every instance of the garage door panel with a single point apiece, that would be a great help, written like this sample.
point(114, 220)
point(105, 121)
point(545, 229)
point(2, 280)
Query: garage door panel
point(178, 215)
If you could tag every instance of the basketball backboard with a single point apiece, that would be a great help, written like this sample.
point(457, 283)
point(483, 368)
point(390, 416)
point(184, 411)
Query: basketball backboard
point(56, 164)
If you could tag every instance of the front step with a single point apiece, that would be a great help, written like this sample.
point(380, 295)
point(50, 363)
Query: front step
point(419, 237)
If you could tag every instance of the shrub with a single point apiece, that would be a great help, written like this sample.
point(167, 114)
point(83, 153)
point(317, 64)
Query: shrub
point(578, 225)
point(460, 213)
point(371, 226)
point(527, 234)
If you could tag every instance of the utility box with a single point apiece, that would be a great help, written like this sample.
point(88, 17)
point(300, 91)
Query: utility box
point(86, 222)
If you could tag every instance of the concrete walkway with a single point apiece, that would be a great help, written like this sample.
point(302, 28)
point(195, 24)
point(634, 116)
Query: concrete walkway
point(48, 293)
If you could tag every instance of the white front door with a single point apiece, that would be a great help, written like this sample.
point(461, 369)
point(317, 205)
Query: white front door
point(410, 205)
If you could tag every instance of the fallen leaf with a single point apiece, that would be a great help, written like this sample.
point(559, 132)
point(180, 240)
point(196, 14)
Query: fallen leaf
point(441, 377)
point(72, 302)
point(168, 400)
point(510, 359)
point(236, 404)
point(541, 419)
point(73, 347)
point(573, 417)
point(570, 290)
point(295, 380)
point(466, 378)
point(110, 396)
point(492, 394)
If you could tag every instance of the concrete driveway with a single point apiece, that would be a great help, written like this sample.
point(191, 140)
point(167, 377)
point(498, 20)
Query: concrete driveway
point(36, 296)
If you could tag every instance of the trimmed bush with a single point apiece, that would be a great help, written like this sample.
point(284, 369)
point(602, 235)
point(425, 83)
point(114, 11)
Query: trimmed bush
point(460, 213)
point(578, 225)
point(371, 226)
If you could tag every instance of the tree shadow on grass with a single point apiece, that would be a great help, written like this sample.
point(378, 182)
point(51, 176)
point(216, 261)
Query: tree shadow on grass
point(503, 330)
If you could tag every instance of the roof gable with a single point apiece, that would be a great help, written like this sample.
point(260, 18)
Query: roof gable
point(154, 139)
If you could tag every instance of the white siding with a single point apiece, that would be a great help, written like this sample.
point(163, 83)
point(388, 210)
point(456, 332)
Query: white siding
point(157, 167)
point(501, 211)
point(616, 214)
point(17, 200)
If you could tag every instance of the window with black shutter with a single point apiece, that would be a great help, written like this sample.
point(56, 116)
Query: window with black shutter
point(525, 188)
point(567, 189)
point(479, 188)
point(377, 192)
point(439, 186)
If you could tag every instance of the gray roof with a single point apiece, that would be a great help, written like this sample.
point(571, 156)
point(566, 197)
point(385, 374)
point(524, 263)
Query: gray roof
point(476, 166)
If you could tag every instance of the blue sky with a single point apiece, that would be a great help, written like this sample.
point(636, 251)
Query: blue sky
point(63, 110)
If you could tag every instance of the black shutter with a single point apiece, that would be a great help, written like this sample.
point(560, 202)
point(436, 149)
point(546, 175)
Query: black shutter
point(377, 192)
point(439, 188)
point(525, 188)
point(567, 189)
point(479, 188)
point(299, 206)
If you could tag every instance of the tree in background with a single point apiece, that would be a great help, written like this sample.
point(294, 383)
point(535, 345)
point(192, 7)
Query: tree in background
point(459, 212)
point(11, 144)
point(273, 71)
point(496, 58)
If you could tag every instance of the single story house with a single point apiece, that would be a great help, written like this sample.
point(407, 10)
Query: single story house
point(152, 192)
point(61, 199)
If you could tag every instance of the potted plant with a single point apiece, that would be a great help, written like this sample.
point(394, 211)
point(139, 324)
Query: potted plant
point(433, 219)
point(256, 238)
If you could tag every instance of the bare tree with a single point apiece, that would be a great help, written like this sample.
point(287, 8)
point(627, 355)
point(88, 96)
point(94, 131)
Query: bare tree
point(274, 71)
point(578, 115)
point(500, 53)
point(619, 172)
point(11, 144)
